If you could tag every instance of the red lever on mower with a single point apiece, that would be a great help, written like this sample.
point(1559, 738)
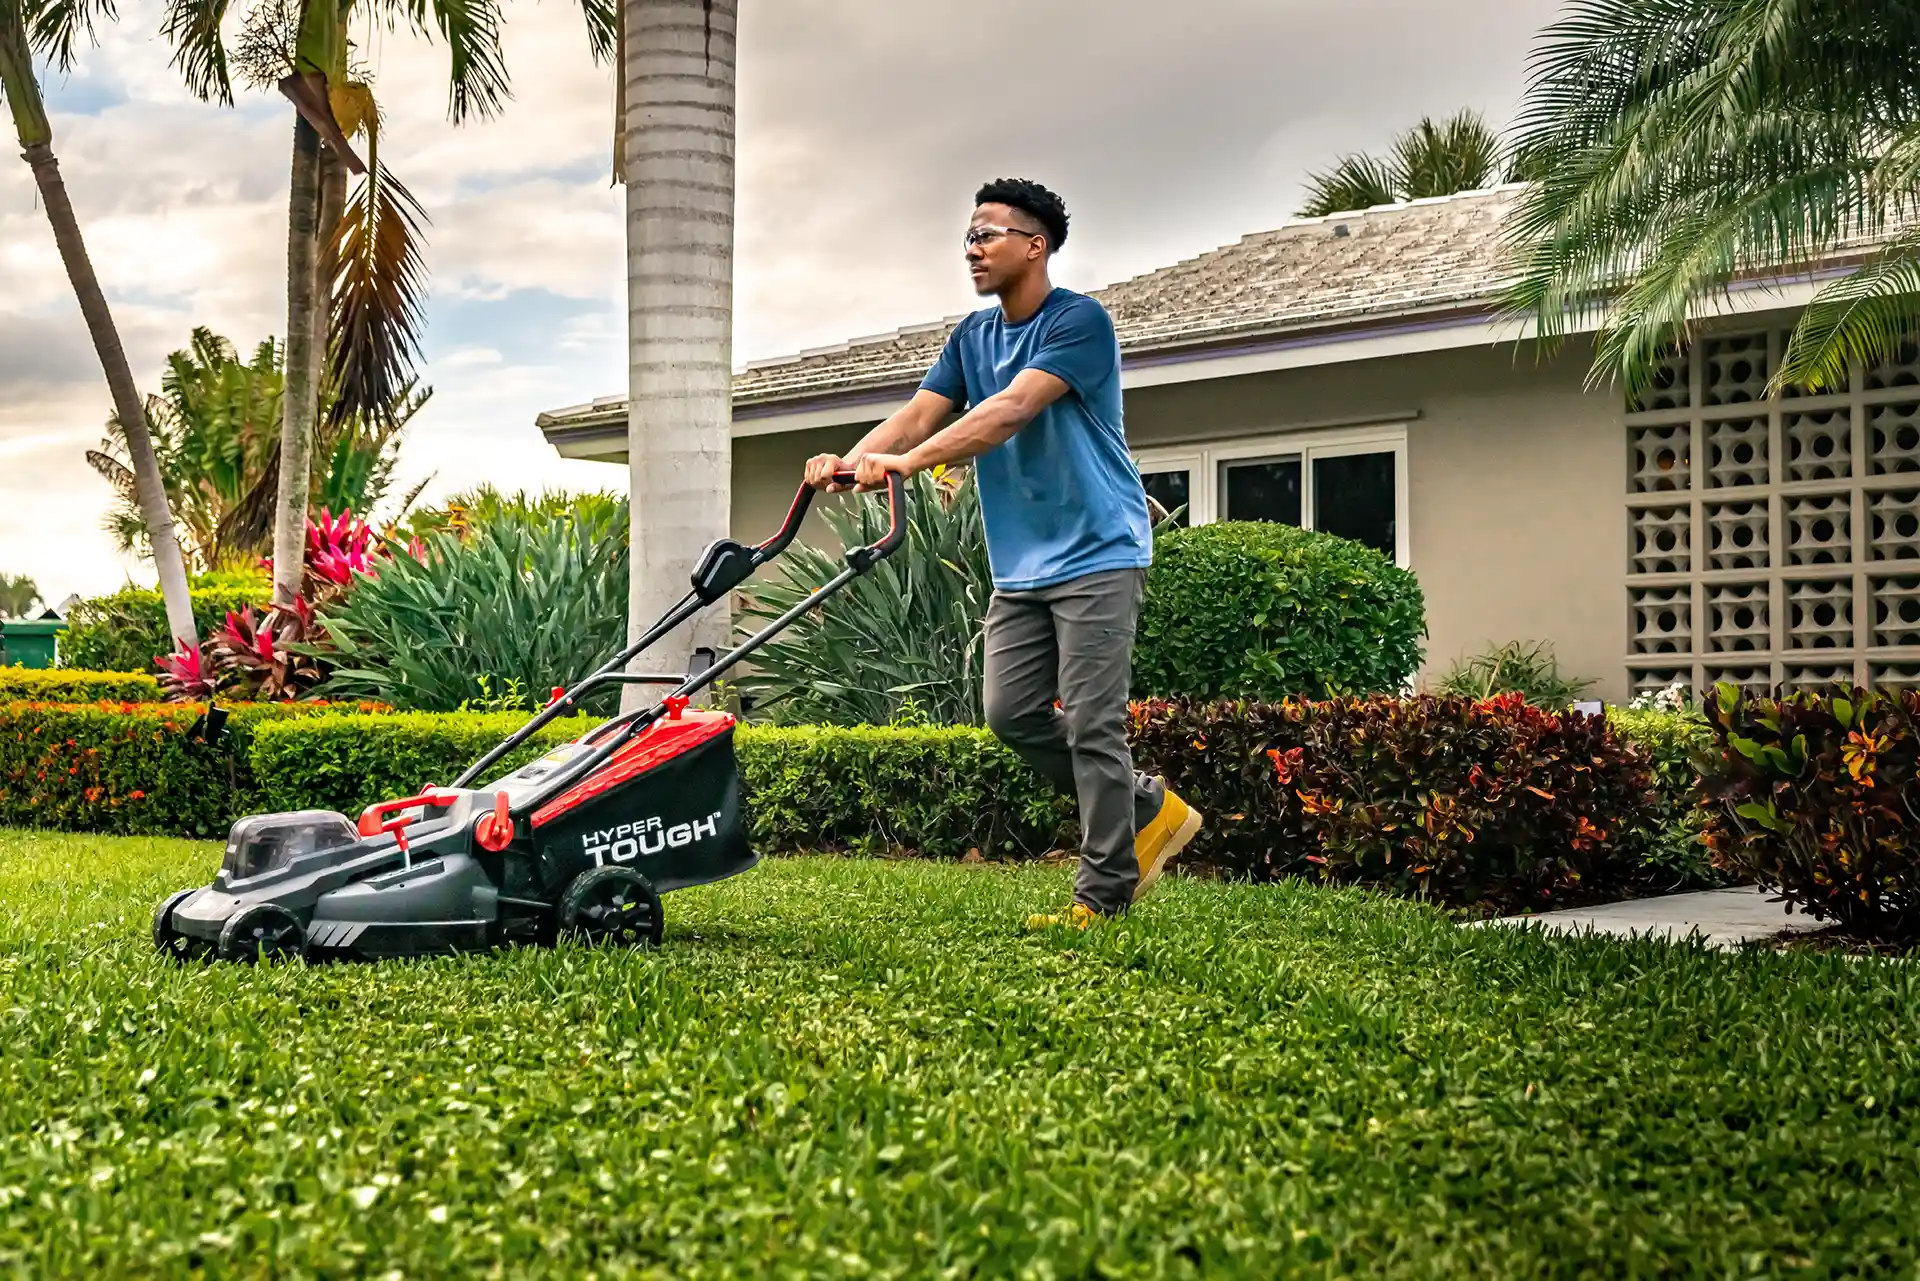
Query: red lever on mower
point(370, 821)
point(494, 831)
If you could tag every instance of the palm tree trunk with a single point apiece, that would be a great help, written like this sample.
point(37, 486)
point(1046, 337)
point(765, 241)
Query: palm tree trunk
point(678, 83)
point(333, 203)
point(36, 141)
point(301, 399)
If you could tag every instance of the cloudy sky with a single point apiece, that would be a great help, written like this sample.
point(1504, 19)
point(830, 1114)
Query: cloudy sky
point(864, 126)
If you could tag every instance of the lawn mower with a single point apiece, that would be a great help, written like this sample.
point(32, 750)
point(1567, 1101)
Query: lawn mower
point(581, 841)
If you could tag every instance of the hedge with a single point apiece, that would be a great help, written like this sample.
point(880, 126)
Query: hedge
point(130, 767)
point(1489, 803)
point(1674, 853)
point(126, 631)
point(1544, 810)
point(1817, 796)
point(64, 685)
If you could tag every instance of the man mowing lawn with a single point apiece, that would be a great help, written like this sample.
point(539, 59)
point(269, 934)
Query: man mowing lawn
point(1067, 534)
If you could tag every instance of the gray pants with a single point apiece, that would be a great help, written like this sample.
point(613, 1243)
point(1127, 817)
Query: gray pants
point(1074, 642)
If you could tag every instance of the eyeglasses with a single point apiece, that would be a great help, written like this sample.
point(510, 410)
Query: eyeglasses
point(987, 234)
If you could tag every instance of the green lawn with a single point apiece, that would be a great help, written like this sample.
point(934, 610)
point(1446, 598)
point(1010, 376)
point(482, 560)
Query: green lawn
point(863, 1068)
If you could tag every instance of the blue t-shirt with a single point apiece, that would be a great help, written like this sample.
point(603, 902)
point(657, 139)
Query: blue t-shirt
point(1061, 498)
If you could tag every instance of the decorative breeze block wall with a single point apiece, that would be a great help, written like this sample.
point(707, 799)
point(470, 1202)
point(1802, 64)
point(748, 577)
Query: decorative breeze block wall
point(1772, 542)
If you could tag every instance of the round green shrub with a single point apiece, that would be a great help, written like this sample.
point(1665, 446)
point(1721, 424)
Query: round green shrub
point(1259, 610)
point(126, 631)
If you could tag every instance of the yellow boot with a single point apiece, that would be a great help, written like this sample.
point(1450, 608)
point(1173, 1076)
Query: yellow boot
point(1161, 840)
point(1076, 916)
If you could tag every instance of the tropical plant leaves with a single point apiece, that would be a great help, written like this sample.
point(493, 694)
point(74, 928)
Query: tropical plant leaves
point(1682, 149)
point(523, 602)
point(905, 638)
point(216, 436)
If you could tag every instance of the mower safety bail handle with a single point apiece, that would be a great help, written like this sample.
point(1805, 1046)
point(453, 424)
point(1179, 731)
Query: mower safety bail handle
point(864, 558)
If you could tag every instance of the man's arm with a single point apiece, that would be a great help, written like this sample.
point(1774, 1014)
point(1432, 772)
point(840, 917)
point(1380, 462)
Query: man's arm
point(904, 429)
point(990, 423)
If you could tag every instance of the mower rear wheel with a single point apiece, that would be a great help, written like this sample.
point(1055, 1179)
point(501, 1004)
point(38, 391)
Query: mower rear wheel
point(612, 905)
point(173, 944)
point(264, 931)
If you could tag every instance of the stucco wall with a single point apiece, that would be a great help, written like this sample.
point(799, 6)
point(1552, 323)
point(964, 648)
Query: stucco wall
point(1515, 478)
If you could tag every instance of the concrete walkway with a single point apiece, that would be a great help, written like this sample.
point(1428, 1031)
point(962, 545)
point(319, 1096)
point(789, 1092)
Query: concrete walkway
point(1723, 918)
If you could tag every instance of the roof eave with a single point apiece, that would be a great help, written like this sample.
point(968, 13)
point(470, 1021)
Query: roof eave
point(1215, 342)
point(1484, 309)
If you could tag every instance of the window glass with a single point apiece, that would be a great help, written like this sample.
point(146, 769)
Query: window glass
point(1173, 490)
point(1353, 497)
point(1262, 489)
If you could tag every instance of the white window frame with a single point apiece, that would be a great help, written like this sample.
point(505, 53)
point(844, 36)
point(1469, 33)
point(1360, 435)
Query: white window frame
point(1202, 462)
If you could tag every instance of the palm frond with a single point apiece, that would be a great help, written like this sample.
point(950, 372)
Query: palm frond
point(1440, 158)
point(1860, 319)
point(55, 27)
point(128, 531)
point(478, 83)
point(192, 27)
point(1355, 182)
point(603, 29)
point(113, 470)
point(246, 528)
point(377, 291)
point(1682, 147)
point(1898, 170)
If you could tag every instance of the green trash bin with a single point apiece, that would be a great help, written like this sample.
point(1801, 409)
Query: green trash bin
point(29, 642)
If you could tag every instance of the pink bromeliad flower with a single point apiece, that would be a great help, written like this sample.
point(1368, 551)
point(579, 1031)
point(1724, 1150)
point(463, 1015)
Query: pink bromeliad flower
point(243, 635)
point(338, 547)
point(183, 673)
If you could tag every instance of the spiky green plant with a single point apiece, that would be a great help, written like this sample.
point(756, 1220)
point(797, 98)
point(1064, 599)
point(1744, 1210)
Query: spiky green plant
point(526, 604)
point(1684, 146)
point(1529, 670)
point(909, 631)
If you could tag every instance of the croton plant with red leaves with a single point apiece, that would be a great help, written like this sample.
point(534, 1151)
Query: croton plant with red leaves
point(1816, 795)
point(1493, 802)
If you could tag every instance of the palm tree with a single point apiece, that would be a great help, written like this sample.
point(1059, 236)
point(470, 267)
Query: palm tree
point(355, 276)
point(51, 27)
point(1686, 146)
point(18, 595)
point(1430, 159)
point(216, 433)
point(676, 158)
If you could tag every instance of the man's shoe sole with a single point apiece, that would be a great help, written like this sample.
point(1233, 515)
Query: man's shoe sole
point(1181, 837)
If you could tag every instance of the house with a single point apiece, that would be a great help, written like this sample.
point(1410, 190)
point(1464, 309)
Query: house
point(1349, 373)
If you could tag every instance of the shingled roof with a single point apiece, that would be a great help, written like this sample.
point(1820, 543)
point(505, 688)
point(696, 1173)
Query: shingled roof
point(1441, 254)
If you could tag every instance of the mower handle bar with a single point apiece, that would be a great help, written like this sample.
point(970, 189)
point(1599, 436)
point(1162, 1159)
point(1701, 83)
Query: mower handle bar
point(722, 561)
point(864, 556)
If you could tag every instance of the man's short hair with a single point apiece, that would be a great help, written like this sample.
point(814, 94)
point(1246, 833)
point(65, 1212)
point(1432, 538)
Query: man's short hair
point(1031, 199)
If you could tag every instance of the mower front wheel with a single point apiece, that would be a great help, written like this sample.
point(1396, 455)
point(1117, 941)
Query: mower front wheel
point(612, 905)
point(263, 932)
point(168, 939)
